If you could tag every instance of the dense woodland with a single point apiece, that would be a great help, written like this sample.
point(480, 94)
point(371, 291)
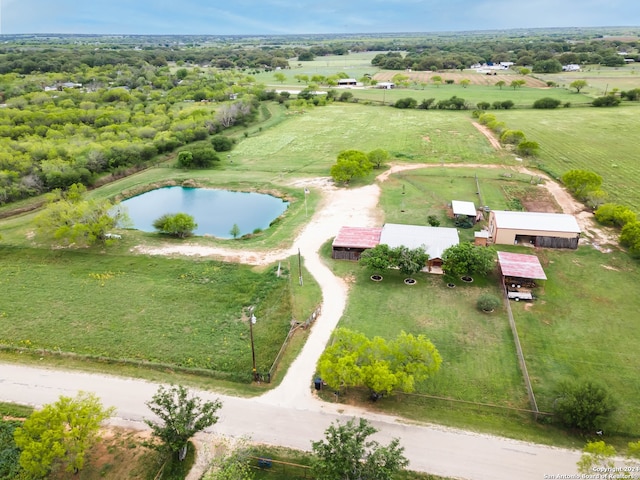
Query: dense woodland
point(75, 108)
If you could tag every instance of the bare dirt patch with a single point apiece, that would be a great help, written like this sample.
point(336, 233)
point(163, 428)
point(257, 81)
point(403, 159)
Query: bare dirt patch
point(495, 143)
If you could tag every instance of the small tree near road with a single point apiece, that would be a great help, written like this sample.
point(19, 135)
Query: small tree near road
point(347, 454)
point(179, 225)
point(181, 416)
point(350, 164)
point(235, 230)
point(60, 434)
point(584, 406)
point(377, 157)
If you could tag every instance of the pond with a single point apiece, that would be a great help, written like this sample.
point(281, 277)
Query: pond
point(215, 211)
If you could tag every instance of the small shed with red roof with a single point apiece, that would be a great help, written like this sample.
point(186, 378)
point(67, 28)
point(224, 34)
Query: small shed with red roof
point(352, 241)
point(519, 274)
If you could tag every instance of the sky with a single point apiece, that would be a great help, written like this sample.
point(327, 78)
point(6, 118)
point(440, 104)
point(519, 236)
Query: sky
point(262, 17)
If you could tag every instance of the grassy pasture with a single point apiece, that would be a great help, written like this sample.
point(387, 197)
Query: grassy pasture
point(584, 327)
point(171, 311)
point(473, 94)
point(308, 143)
point(596, 139)
point(600, 79)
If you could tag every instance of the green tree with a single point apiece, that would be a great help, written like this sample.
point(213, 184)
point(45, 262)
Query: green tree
point(185, 159)
point(280, 77)
point(181, 417)
point(630, 238)
point(500, 84)
point(409, 261)
point(468, 259)
point(581, 182)
point(615, 215)
point(584, 406)
point(377, 259)
point(578, 85)
point(220, 143)
point(465, 82)
point(528, 148)
point(377, 157)
point(350, 164)
point(179, 225)
point(347, 454)
point(9, 451)
point(353, 360)
point(546, 103)
point(181, 73)
point(60, 434)
point(70, 219)
point(436, 80)
point(517, 83)
point(233, 464)
point(547, 66)
point(235, 230)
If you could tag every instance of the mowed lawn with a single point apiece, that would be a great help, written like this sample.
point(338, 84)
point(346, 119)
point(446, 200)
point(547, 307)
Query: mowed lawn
point(172, 311)
point(597, 139)
point(585, 327)
point(308, 143)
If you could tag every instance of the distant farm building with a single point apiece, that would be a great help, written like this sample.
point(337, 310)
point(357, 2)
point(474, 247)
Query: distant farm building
point(352, 241)
point(434, 240)
point(554, 230)
point(572, 67)
point(385, 85)
point(519, 274)
point(346, 82)
point(465, 212)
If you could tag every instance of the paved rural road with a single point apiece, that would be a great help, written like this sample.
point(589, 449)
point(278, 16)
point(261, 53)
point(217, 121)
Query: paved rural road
point(441, 451)
point(289, 415)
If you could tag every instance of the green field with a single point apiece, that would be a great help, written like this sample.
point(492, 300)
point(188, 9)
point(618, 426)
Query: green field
point(167, 311)
point(596, 139)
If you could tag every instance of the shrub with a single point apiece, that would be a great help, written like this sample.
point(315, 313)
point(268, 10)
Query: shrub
point(426, 103)
point(487, 302)
point(507, 104)
point(546, 102)
point(179, 225)
point(615, 215)
point(483, 105)
point(433, 221)
point(512, 137)
point(528, 148)
point(220, 143)
point(630, 237)
point(583, 406)
point(406, 103)
point(606, 101)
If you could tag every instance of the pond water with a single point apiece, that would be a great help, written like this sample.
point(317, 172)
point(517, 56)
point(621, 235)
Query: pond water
point(215, 211)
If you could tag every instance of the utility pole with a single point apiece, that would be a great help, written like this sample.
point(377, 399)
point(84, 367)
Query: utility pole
point(252, 320)
point(299, 268)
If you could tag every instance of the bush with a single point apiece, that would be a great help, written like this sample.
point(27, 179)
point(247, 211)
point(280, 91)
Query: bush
point(406, 103)
point(483, 105)
point(528, 148)
point(614, 215)
point(220, 143)
point(583, 406)
point(546, 102)
point(507, 104)
point(512, 137)
point(488, 302)
point(630, 237)
point(179, 225)
point(606, 101)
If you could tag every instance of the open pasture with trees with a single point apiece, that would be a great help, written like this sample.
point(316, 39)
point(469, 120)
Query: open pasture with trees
point(594, 139)
point(173, 312)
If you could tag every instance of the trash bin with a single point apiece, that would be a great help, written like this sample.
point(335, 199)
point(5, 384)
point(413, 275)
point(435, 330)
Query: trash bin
point(317, 383)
